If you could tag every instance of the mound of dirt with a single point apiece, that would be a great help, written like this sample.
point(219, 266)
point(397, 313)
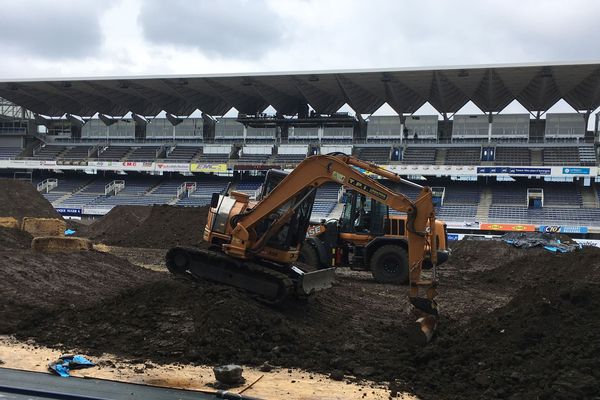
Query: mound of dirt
point(14, 239)
point(539, 344)
point(482, 255)
point(31, 281)
point(542, 345)
point(21, 199)
point(150, 227)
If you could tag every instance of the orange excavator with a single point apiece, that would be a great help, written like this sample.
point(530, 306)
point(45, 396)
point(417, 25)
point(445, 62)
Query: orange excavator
point(254, 245)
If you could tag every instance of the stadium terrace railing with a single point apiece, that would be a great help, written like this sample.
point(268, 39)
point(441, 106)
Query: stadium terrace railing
point(47, 185)
point(185, 189)
point(114, 187)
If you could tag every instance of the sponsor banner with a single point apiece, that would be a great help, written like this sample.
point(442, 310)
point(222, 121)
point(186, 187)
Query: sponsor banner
point(208, 167)
point(47, 163)
point(68, 211)
point(462, 225)
point(254, 167)
point(514, 170)
point(172, 167)
point(563, 229)
point(507, 227)
point(95, 210)
point(102, 164)
point(428, 170)
point(72, 162)
point(137, 165)
point(575, 171)
point(121, 165)
point(453, 236)
point(364, 171)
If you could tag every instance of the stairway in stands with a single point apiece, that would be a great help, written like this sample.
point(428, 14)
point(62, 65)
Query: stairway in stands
point(589, 197)
point(440, 156)
point(537, 157)
point(483, 207)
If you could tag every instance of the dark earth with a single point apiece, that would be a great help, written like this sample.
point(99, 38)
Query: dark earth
point(515, 323)
point(21, 199)
point(149, 227)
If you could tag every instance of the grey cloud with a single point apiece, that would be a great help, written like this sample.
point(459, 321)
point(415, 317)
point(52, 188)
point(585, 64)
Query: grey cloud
point(229, 29)
point(50, 29)
point(489, 31)
point(383, 33)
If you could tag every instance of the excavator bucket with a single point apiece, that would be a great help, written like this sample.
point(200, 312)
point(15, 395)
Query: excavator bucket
point(54, 244)
point(421, 331)
point(310, 282)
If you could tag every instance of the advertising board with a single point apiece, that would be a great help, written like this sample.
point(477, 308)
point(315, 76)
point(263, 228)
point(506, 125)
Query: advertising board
point(507, 227)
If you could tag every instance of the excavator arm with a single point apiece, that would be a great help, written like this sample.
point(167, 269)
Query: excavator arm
point(346, 170)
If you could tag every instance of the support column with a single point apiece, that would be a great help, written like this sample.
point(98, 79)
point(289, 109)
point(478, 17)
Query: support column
point(446, 134)
point(490, 120)
point(597, 130)
point(402, 126)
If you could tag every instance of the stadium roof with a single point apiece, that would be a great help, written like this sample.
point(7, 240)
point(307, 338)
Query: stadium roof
point(491, 87)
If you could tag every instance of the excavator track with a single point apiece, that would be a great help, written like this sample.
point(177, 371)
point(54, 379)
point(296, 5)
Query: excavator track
point(267, 284)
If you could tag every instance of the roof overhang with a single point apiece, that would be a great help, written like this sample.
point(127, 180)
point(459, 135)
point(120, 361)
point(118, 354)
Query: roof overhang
point(491, 87)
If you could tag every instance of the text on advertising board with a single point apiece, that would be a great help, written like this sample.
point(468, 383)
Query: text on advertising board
point(507, 227)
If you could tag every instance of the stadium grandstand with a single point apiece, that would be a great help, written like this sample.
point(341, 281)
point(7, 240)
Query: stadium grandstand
point(91, 144)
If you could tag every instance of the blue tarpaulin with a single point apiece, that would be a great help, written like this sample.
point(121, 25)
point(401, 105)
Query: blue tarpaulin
point(64, 364)
point(554, 242)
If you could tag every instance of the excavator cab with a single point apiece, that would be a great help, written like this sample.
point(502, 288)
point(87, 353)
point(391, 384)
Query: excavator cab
point(362, 215)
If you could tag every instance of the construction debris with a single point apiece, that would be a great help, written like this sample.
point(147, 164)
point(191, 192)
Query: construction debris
point(554, 242)
point(65, 364)
point(229, 374)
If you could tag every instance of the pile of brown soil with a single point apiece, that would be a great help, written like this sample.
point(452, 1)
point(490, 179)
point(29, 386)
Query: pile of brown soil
point(11, 238)
point(21, 199)
point(542, 344)
point(32, 281)
point(539, 343)
point(150, 227)
point(179, 321)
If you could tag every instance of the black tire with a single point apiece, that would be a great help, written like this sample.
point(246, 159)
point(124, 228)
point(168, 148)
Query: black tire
point(389, 264)
point(309, 256)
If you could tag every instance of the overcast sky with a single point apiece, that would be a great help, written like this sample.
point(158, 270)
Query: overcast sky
point(54, 38)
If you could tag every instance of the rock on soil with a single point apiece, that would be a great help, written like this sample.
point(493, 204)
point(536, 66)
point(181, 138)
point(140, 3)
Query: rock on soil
point(150, 226)
point(541, 343)
point(21, 199)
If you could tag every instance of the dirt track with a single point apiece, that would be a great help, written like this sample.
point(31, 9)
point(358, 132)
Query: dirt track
point(515, 323)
